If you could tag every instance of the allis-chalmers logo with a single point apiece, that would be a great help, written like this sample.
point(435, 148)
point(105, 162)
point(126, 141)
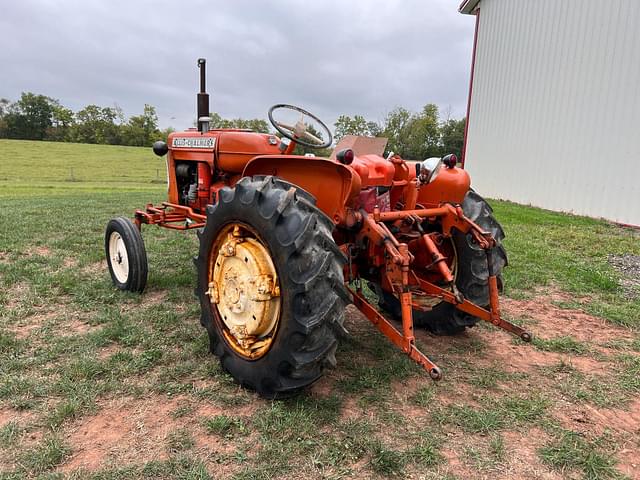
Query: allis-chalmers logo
point(193, 142)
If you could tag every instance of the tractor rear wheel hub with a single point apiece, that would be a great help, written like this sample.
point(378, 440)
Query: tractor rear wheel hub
point(244, 288)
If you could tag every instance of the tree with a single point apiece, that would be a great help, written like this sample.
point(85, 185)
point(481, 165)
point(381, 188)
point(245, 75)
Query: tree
point(425, 133)
point(38, 117)
point(452, 136)
point(61, 122)
point(30, 117)
point(413, 135)
point(253, 124)
point(4, 108)
point(96, 124)
point(164, 134)
point(142, 130)
point(346, 125)
point(397, 127)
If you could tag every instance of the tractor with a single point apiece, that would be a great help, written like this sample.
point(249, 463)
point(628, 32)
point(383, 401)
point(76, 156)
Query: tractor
point(287, 241)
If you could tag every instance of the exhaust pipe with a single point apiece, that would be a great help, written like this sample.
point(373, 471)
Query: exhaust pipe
point(203, 99)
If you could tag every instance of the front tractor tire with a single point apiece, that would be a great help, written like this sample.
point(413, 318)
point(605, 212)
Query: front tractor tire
point(126, 255)
point(471, 275)
point(270, 285)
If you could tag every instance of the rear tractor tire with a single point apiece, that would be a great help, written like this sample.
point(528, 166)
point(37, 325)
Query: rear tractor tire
point(270, 285)
point(126, 255)
point(471, 276)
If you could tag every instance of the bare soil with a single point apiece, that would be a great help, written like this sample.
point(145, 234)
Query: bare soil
point(128, 430)
point(136, 430)
point(41, 251)
point(522, 454)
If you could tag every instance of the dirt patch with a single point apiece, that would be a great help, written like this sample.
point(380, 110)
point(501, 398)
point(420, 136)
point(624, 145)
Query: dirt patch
point(124, 429)
point(350, 409)
point(515, 358)
point(553, 321)
point(628, 266)
point(23, 331)
point(15, 294)
point(75, 326)
point(150, 298)
point(624, 424)
point(30, 324)
point(39, 250)
point(109, 351)
point(69, 262)
point(629, 459)
point(128, 431)
point(522, 454)
point(11, 415)
point(519, 460)
point(154, 297)
point(455, 465)
point(323, 387)
point(95, 268)
point(207, 409)
point(587, 418)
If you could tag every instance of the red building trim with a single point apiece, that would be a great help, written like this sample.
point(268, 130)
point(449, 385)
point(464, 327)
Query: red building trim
point(473, 64)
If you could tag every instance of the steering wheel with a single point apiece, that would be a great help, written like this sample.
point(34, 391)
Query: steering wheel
point(298, 132)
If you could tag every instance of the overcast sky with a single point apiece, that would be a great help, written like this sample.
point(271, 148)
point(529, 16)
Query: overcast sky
point(331, 57)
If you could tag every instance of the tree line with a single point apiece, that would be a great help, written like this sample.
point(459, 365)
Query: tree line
point(38, 117)
point(413, 135)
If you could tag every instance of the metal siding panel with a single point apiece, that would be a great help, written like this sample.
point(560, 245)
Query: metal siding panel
point(555, 106)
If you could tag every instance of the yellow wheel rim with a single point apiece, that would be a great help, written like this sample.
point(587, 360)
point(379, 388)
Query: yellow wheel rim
point(244, 289)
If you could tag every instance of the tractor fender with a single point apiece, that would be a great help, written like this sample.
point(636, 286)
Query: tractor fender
point(332, 184)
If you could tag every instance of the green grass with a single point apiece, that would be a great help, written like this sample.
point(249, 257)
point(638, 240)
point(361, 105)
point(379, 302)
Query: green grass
point(70, 344)
point(561, 345)
point(569, 451)
point(45, 456)
point(386, 461)
point(495, 414)
point(570, 253)
point(10, 433)
point(179, 441)
point(487, 457)
point(58, 167)
point(225, 426)
point(490, 377)
point(425, 451)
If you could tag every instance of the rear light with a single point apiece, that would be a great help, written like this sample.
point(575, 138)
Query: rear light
point(345, 156)
point(450, 160)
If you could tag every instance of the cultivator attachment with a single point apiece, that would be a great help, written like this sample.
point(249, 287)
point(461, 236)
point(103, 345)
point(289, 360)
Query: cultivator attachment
point(407, 285)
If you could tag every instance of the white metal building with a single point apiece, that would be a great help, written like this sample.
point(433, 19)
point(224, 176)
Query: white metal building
point(554, 105)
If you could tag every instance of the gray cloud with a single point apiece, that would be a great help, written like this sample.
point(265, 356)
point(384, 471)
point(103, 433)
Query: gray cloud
point(355, 57)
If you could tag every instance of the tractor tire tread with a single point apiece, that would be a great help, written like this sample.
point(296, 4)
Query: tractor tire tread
point(309, 265)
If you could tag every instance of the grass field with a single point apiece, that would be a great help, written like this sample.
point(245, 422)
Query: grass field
point(52, 166)
point(95, 383)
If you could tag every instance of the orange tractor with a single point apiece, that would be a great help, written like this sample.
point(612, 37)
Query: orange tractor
point(286, 242)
